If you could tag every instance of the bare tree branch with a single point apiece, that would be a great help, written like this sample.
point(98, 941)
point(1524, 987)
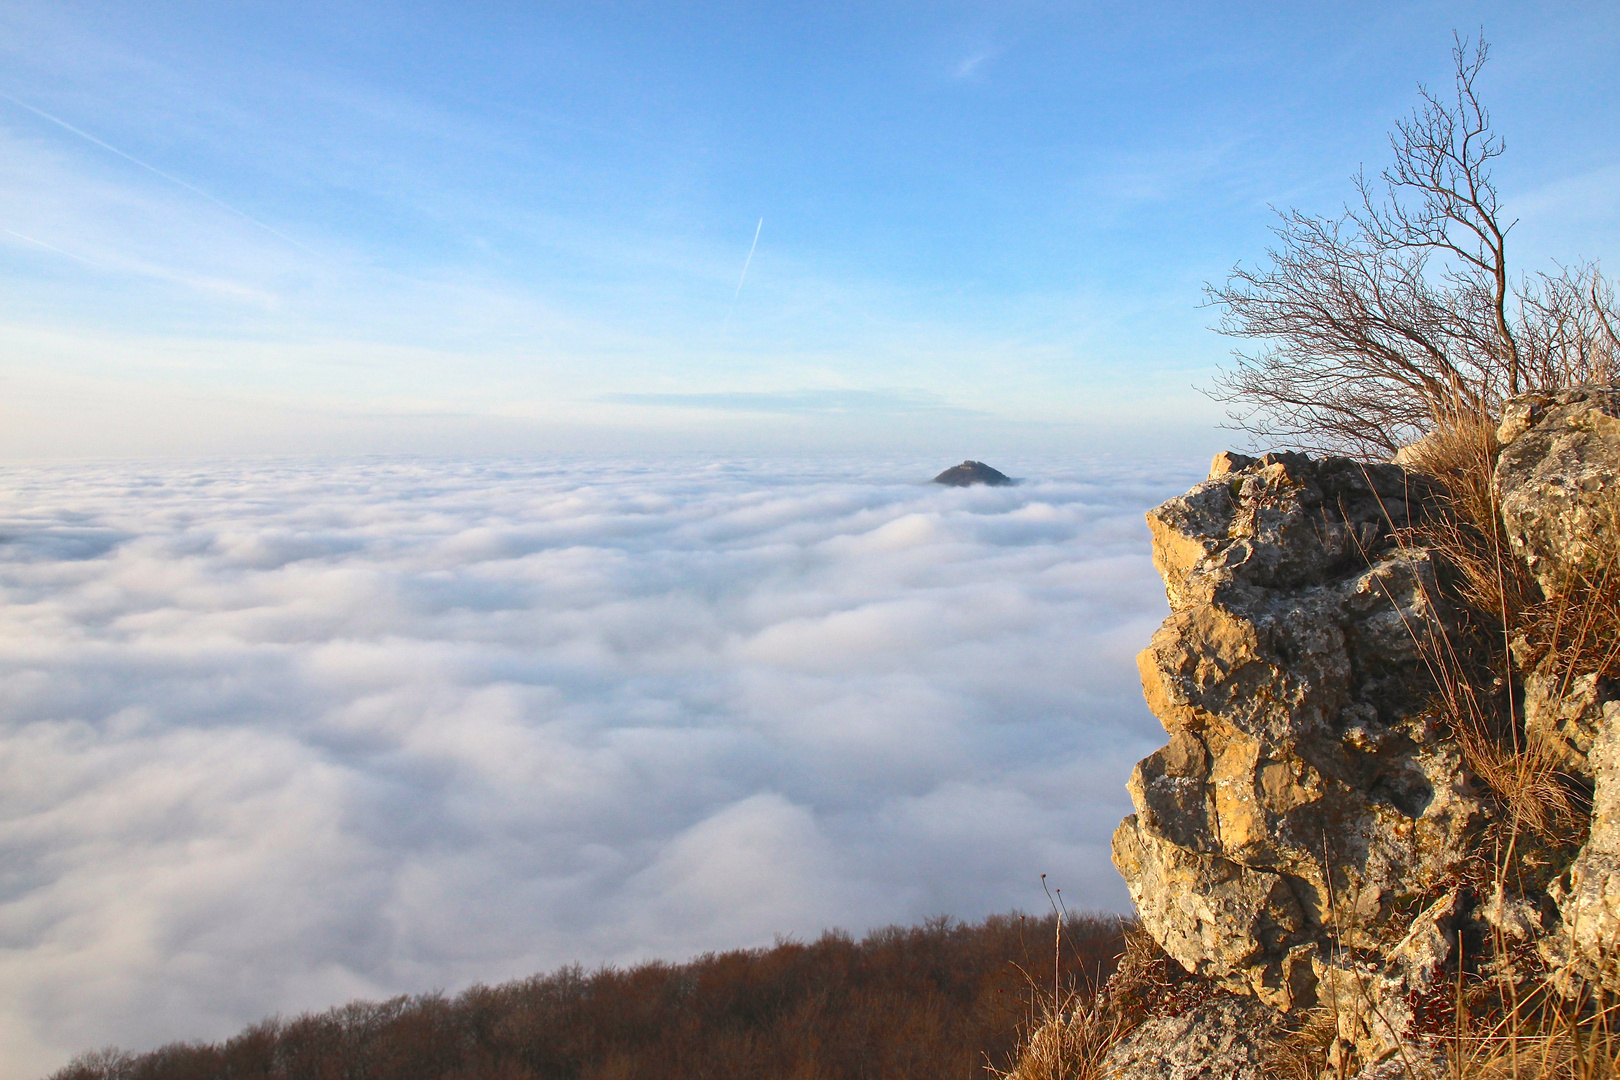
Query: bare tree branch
point(1383, 321)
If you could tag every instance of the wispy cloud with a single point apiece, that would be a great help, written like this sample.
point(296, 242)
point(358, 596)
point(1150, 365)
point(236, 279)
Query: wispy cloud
point(1567, 219)
point(970, 65)
point(799, 401)
point(164, 248)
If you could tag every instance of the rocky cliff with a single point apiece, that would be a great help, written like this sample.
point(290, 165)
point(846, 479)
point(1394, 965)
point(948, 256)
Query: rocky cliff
point(1331, 825)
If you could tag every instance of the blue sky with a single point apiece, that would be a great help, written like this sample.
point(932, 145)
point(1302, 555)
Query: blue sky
point(351, 227)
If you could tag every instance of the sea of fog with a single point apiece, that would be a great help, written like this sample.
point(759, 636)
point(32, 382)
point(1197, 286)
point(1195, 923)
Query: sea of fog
point(278, 734)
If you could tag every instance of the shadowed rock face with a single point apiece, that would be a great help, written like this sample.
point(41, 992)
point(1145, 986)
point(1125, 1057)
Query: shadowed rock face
point(972, 472)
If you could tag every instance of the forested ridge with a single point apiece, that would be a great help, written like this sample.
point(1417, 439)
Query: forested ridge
point(939, 1001)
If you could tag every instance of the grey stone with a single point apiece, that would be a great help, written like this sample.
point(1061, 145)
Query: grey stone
point(1372, 999)
point(1558, 482)
point(1222, 1038)
point(1589, 903)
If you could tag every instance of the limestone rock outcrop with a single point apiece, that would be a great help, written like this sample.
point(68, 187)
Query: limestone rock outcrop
point(1305, 800)
point(1557, 483)
point(1589, 904)
point(1375, 1000)
point(1313, 833)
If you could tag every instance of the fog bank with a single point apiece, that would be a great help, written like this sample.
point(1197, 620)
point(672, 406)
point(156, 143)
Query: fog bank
point(279, 734)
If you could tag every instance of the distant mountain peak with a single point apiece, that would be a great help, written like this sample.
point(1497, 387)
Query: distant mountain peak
point(972, 472)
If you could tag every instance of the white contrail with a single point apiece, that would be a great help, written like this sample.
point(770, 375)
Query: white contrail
point(748, 260)
point(59, 122)
point(744, 276)
point(49, 247)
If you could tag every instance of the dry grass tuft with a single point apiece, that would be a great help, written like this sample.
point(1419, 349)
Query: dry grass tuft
point(1509, 1021)
point(1301, 1052)
point(1540, 1035)
point(1068, 1040)
point(1146, 980)
point(1493, 1034)
point(1070, 1033)
point(1477, 682)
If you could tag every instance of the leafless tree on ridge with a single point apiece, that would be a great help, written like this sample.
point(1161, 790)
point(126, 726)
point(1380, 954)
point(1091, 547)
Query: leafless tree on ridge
point(1403, 312)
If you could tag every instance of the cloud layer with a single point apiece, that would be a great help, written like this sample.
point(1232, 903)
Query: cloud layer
point(274, 735)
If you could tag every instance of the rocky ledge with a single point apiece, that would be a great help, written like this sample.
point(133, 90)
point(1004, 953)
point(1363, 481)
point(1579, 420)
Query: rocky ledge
point(1313, 833)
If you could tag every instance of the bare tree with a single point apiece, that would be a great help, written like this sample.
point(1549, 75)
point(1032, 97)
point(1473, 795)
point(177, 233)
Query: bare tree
point(1402, 311)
